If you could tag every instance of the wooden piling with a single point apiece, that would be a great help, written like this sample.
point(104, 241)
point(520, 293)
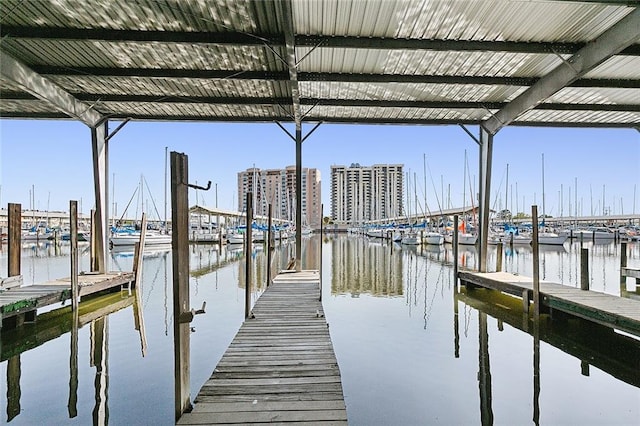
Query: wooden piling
point(584, 269)
point(455, 251)
point(73, 241)
point(536, 263)
point(320, 265)
point(15, 223)
point(137, 251)
point(180, 261)
point(623, 264)
point(499, 257)
point(269, 246)
point(248, 235)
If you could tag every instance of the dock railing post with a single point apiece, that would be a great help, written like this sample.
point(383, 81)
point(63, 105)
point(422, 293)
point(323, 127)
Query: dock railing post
point(536, 263)
point(248, 235)
point(623, 264)
point(499, 257)
point(584, 269)
point(269, 246)
point(455, 251)
point(73, 242)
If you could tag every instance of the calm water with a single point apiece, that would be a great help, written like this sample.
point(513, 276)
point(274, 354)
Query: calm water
point(410, 352)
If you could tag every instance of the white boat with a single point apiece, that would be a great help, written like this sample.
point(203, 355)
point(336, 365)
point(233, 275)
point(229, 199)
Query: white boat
point(597, 233)
point(410, 238)
point(374, 233)
point(36, 235)
point(203, 236)
point(466, 239)
point(234, 237)
point(433, 238)
point(257, 236)
point(130, 238)
point(551, 238)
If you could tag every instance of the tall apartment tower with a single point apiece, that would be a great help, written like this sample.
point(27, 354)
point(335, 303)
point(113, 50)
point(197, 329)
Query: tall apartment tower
point(359, 193)
point(278, 188)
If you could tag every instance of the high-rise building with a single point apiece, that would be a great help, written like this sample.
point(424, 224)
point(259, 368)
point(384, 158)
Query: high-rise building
point(359, 193)
point(278, 188)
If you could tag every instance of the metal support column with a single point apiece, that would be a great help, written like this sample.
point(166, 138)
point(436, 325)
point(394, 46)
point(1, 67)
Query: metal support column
point(298, 197)
point(484, 203)
point(100, 153)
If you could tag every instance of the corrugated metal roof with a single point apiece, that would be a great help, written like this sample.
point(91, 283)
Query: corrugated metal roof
point(457, 20)
point(409, 61)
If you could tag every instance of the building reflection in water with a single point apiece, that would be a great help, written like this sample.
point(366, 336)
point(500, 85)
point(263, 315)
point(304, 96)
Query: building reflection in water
point(361, 266)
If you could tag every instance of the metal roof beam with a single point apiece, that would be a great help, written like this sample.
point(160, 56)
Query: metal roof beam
point(323, 118)
point(381, 43)
point(99, 97)
point(622, 34)
point(162, 73)
point(321, 76)
point(247, 39)
point(40, 87)
point(106, 34)
point(286, 15)
point(457, 79)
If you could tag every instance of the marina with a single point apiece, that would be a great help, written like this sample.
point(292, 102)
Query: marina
point(392, 309)
point(400, 306)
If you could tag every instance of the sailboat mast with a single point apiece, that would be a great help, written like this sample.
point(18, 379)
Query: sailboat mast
point(543, 206)
point(165, 187)
point(424, 173)
point(464, 183)
point(506, 189)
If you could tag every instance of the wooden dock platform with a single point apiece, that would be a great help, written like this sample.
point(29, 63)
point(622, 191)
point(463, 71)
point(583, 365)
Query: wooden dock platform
point(613, 311)
point(27, 299)
point(280, 367)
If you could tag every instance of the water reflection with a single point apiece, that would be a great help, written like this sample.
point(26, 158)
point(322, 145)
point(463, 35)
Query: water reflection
point(54, 324)
point(593, 344)
point(360, 266)
point(433, 382)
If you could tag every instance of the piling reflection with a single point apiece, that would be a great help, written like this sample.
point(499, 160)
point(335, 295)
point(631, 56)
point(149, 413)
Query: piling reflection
point(56, 323)
point(590, 343)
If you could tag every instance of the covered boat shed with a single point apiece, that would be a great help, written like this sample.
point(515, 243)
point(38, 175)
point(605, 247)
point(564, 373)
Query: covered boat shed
point(484, 63)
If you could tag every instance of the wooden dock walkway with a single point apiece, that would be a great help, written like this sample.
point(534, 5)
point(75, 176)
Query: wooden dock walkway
point(280, 368)
point(27, 299)
point(613, 311)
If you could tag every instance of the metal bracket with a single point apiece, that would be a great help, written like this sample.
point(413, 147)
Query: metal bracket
point(190, 185)
point(187, 317)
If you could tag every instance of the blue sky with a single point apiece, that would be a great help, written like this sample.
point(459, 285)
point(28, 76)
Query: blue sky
point(54, 158)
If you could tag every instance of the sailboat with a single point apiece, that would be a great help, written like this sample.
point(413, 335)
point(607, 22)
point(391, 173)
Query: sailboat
point(128, 236)
point(545, 237)
point(430, 237)
point(410, 238)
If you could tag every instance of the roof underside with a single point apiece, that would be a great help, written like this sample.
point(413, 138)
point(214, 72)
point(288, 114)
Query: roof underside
point(494, 62)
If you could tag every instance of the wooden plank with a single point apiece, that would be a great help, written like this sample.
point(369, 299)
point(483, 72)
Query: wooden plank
point(280, 367)
point(222, 407)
